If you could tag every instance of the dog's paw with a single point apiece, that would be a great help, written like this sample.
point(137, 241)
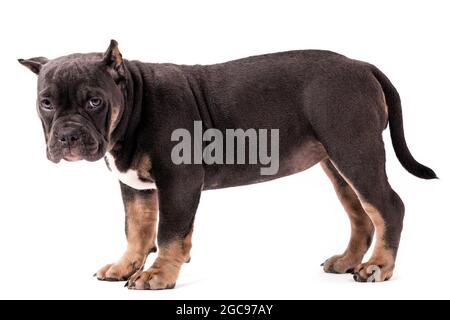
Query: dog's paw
point(372, 272)
point(152, 279)
point(120, 271)
point(340, 264)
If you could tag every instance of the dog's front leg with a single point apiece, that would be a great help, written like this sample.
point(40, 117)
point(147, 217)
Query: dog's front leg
point(178, 203)
point(141, 208)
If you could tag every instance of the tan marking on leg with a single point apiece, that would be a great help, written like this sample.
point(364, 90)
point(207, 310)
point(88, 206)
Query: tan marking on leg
point(164, 272)
point(142, 215)
point(361, 225)
point(382, 257)
point(144, 166)
point(381, 264)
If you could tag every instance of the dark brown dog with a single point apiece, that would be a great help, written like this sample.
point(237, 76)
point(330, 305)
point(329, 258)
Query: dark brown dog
point(328, 109)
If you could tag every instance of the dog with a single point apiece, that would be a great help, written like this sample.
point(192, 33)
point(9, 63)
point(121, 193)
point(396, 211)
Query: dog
point(327, 108)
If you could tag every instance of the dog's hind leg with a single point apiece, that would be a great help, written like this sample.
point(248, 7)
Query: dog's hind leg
point(348, 115)
point(362, 164)
point(361, 226)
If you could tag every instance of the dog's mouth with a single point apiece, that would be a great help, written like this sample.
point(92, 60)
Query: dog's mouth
point(86, 146)
point(89, 152)
point(72, 154)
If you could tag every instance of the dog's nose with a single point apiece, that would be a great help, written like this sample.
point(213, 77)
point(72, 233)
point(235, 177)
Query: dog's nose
point(68, 137)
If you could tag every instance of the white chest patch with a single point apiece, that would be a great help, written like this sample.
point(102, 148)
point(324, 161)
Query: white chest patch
point(130, 178)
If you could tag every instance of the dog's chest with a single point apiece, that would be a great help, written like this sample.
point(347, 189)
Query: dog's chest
point(130, 177)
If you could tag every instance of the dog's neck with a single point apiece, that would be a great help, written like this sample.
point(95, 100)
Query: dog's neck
point(129, 119)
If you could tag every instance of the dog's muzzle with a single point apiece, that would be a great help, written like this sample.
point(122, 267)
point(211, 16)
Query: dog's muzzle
point(73, 141)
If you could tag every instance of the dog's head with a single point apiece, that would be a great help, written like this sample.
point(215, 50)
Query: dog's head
point(80, 102)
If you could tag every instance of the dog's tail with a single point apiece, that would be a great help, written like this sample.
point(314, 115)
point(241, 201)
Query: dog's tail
point(396, 128)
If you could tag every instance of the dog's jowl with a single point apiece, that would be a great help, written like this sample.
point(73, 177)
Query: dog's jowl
point(324, 108)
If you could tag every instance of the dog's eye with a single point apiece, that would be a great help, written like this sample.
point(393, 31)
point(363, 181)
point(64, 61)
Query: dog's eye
point(46, 104)
point(95, 103)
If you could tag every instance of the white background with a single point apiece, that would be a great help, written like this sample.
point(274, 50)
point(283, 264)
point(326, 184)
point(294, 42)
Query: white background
point(60, 223)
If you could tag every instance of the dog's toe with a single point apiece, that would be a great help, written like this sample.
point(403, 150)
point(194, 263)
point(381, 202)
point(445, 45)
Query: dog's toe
point(120, 271)
point(340, 264)
point(369, 272)
point(151, 279)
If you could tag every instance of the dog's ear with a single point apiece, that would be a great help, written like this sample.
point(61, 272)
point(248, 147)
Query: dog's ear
point(34, 64)
point(112, 58)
